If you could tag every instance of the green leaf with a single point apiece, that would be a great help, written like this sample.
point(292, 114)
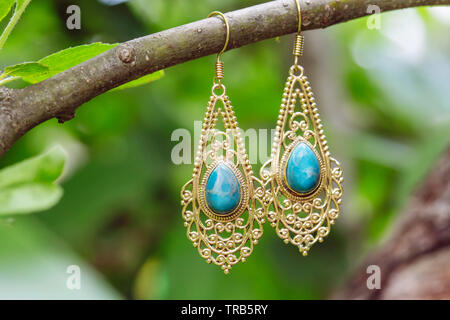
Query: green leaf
point(29, 186)
point(58, 62)
point(28, 198)
point(43, 168)
point(142, 80)
point(29, 71)
point(34, 72)
point(70, 57)
point(5, 7)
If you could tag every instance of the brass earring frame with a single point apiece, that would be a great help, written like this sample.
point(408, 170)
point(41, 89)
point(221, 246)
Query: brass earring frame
point(301, 219)
point(223, 239)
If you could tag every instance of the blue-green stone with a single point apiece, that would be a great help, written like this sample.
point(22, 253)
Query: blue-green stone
point(303, 169)
point(222, 192)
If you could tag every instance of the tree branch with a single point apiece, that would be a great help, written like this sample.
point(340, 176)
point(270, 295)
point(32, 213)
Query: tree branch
point(61, 95)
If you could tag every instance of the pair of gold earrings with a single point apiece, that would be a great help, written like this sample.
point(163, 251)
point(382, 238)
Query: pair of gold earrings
point(299, 190)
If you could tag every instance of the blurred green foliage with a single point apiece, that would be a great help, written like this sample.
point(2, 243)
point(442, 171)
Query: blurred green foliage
point(384, 97)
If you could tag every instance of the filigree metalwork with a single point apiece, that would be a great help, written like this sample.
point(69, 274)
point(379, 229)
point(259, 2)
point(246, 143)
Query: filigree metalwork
point(301, 219)
point(223, 239)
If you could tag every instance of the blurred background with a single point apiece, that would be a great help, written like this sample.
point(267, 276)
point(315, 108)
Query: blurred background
point(384, 97)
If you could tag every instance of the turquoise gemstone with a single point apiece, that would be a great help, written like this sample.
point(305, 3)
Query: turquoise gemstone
point(223, 192)
point(303, 169)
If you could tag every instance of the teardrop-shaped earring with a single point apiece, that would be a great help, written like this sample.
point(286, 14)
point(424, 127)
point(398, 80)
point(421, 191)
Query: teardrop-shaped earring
point(223, 202)
point(304, 179)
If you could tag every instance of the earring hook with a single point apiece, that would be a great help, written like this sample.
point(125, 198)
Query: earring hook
point(299, 40)
point(218, 13)
point(299, 11)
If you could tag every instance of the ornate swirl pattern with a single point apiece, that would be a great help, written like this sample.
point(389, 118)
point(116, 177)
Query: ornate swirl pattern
point(221, 239)
point(301, 219)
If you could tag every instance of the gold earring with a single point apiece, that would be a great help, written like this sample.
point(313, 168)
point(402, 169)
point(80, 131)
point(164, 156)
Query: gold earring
point(304, 179)
point(222, 203)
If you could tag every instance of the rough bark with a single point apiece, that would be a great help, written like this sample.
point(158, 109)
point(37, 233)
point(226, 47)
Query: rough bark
point(61, 95)
point(415, 260)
